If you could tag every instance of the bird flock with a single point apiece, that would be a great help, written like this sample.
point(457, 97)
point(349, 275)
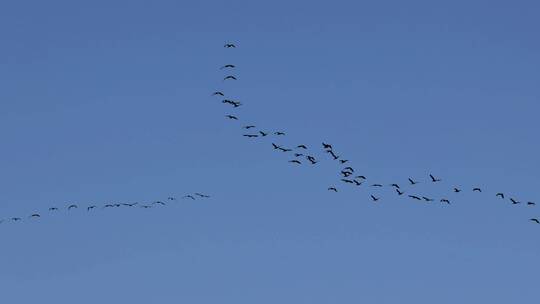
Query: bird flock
point(71, 207)
point(347, 175)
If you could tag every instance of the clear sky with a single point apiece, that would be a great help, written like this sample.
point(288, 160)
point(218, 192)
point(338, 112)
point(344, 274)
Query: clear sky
point(109, 101)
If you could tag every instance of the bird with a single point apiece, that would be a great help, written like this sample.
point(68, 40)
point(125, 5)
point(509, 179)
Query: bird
point(15, 219)
point(248, 127)
point(535, 220)
point(399, 192)
point(415, 197)
point(349, 168)
point(230, 77)
point(231, 117)
point(298, 154)
point(514, 202)
point(263, 134)
point(218, 93)
point(433, 179)
point(347, 180)
point(531, 203)
point(279, 133)
point(501, 195)
point(332, 189)
point(333, 154)
point(275, 146)
point(346, 173)
point(250, 135)
point(457, 190)
point(90, 208)
point(108, 206)
point(327, 146)
point(170, 198)
point(295, 161)
point(35, 215)
point(395, 186)
point(229, 45)
point(227, 66)
point(376, 185)
point(202, 195)
point(72, 206)
point(189, 196)
point(146, 206)
point(130, 205)
point(360, 177)
point(413, 182)
point(374, 198)
point(477, 189)
point(343, 161)
point(357, 182)
point(311, 159)
point(427, 199)
point(445, 201)
point(285, 149)
point(159, 202)
point(53, 209)
point(301, 147)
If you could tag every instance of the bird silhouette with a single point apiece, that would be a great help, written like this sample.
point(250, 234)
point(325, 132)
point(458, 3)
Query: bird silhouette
point(374, 198)
point(15, 219)
point(333, 154)
point(248, 127)
point(276, 147)
point(501, 195)
point(477, 190)
point(298, 154)
point(229, 45)
point(311, 159)
point(295, 161)
point(427, 199)
point(349, 169)
point(535, 220)
point(376, 185)
point(360, 177)
point(433, 179)
point(158, 203)
point(357, 182)
point(413, 182)
point(346, 173)
point(189, 196)
point(72, 206)
point(415, 197)
point(445, 201)
point(202, 195)
point(129, 205)
point(108, 206)
point(231, 117)
point(230, 77)
point(349, 181)
point(53, 209)
point(395, 186)
point(146, 206)
point(399, 192)
point(285, 149)
point(279, 133)
point(531, 203)
point(227, 66)
point(457, 190)
point(170, 198)
point(301, 147)
point(218, 93)
point(514, 202)
point(332, 189)
point(263, 134)
point(35, 215)
point(327, 146)
point(250, 135)
point(343, 161)
point(90, 208)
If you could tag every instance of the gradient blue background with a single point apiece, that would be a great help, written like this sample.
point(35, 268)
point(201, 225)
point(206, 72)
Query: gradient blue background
point(110, 101)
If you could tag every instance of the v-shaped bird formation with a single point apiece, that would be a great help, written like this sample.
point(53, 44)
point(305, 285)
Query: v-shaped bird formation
point(303, 154)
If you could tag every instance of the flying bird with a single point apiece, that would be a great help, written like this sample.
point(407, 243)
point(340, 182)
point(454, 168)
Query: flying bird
point(327, 146)
point(202, 195)
point(275, 146)
point(227, 66)
point(413, 182)
point(298, 154)
point(279, 133)
point(72, 206)
point(250, 135)
point(514, 202)
point(15, 219)
point(263, 134)
point(146, 206)
point(349, 168)
point(360, 177)
point(374, 198)
point(301, 147)
point(343, 161)
point(170, 198)
point(531, 203)
point(535, 220)
point(332, 189)
point(53, 209)
point(229, 45)
point(477, 189)
point(346, 173)
point(35, 215)
point(218, 93)
point(311, 159)
point(445, 201)
point(347, 180)
point(231, 117)
point(357, 182)
point(90, 208)
point(248, 127)
point(230, 77)
point(395, 186)
point(501, 195)
point(399, 192)
point(333, 154)
point(415, 197)
point(427, 199)
point(285, 149)
point(457, 190)
point(295, 161)
point(433, 179)
point(189, 196)
point(130, 205)
point(376, 185)
point(159, 202)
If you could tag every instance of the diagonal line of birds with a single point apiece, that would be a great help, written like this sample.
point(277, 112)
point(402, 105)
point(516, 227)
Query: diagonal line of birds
point(71, 207)
point(302, 155)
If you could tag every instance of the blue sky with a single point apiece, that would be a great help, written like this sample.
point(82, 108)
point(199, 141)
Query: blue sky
point(109, 101)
